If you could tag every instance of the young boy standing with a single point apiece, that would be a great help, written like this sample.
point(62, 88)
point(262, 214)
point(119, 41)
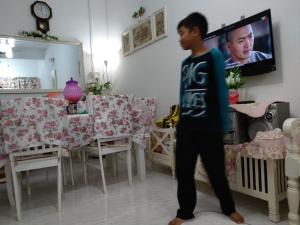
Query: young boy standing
point(203, 119)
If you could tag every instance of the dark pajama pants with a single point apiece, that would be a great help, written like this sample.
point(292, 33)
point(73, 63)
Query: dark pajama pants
point(211, 149)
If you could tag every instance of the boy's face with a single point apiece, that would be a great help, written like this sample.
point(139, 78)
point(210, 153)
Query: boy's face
point(187, 37)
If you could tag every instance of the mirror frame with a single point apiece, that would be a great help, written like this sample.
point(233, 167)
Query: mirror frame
point(36, 91)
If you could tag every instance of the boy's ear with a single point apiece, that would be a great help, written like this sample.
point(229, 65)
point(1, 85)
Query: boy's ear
point(195, 31)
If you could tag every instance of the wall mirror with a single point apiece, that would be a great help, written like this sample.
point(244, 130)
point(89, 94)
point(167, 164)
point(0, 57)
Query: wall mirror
point(32, 65)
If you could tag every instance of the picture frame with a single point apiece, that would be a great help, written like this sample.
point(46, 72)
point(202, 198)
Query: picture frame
point(146, 32)
point(142, 34)
point(160, 25)
point(126, 43)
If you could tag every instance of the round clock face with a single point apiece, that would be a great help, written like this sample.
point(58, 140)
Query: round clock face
point(42, 10)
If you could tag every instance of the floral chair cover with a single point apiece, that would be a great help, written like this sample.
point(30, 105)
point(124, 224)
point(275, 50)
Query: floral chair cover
point(31, 122)
point(112, 115)
point(79, 131)
point(143, 113)
point(268, 144)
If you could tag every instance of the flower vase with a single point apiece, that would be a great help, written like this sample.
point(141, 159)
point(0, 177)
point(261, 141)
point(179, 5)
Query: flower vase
point(233, 96)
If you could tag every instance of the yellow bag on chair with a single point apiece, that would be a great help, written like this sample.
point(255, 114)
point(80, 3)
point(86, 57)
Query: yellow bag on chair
point(171, 120)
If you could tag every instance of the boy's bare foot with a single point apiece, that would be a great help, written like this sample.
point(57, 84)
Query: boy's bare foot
point(237, 218)
point(176, 221)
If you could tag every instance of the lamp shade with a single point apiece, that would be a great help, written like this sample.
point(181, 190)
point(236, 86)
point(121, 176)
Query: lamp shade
point(72, 91)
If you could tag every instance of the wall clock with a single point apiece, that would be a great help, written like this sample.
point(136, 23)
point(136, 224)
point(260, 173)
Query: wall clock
point(42, 13)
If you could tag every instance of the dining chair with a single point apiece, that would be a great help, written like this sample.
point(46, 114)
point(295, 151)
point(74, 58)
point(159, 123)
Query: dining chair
point(112, 117)
point(66, 153)
point(7, 172)
point(5, 163)
point(33, 132)
point(79, 132)
point(143, 113)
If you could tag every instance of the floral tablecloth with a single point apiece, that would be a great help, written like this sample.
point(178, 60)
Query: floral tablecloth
point(69, 131)
point(79, 131)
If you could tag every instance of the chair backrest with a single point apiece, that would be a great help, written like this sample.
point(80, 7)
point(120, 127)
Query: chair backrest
point(112, 115)
point(31, 122)
point(143, 115)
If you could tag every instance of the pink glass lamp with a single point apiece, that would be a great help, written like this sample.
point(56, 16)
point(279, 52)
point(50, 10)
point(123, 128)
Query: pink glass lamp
point(72, 91)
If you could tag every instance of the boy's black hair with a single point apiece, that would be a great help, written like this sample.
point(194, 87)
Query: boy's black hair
point(195, 19)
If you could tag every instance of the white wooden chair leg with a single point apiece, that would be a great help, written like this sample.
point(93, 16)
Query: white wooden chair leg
point(134, 149)
point(140, 157)
point(17, 191)
point(101, 167)
point(102, 174)
point(84, 158)
point(71, 169)
point(293, 195)
point(149, 153)
point(129, 167)
point(115, 164)
point(9, 185)
point(59, 185)
point(79, 155)
point(28, 182)
point(63, 171)
point(19, 177)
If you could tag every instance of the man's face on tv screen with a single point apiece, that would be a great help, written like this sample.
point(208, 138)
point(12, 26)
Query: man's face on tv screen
point(240, 43)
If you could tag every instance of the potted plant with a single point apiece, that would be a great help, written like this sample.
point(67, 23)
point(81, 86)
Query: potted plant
point(99, 85)
point(99, 88)
point(234, 81)
point(139, 13)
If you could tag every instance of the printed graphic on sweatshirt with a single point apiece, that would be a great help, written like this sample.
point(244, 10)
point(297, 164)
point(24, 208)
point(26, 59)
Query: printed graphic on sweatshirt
point(194, 90)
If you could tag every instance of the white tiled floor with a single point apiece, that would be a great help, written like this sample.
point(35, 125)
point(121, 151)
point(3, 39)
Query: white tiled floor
point(152, 202)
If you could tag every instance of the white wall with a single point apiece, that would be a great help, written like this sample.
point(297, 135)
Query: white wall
point(154, 70)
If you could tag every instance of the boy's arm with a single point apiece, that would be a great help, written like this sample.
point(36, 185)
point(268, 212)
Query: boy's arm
point(222, 91)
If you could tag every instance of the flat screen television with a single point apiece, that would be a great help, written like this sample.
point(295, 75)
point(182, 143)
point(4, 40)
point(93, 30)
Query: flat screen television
point(247, 44)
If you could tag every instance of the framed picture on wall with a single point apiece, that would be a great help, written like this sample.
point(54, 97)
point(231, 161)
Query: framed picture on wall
point(146, 32)
point(142, 34)
point(126, 43)
point(160, 26)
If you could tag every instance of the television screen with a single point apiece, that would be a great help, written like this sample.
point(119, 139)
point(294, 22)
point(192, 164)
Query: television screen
point(247, 44)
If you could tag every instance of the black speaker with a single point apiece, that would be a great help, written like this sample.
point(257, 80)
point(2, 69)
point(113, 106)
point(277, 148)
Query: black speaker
point(274, 117)
point(237, 128)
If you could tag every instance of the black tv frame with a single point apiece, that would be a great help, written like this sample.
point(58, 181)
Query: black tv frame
point(256, 68)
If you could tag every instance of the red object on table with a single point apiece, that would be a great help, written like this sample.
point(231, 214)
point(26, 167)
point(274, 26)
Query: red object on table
point(233, 96)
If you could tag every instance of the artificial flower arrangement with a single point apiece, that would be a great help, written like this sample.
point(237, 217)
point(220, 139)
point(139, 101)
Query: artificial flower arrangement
point(98, 87)
point(234, 78)
point(38, 34)
point(139, 13)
